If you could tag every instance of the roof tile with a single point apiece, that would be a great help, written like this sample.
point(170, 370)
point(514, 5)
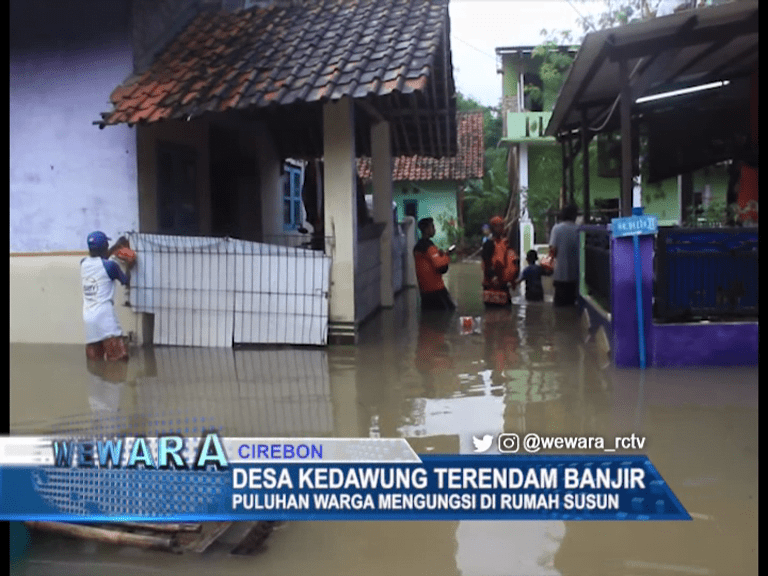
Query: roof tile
point(217, 48)
point(303, 52)
point(468, 162)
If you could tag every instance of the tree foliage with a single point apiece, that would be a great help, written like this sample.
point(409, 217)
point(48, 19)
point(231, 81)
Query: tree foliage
point(488, 197)
point(619, 12)
point(555, 62)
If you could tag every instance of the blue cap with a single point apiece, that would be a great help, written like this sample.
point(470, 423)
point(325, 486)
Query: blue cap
point(97, 240)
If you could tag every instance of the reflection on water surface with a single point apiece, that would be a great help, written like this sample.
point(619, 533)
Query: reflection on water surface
point(527, 369)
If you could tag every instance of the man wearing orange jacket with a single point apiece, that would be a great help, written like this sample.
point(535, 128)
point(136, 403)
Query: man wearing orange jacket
point(500, 267)
point(431, 264)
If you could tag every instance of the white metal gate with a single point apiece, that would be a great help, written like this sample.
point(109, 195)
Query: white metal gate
point(217, 292)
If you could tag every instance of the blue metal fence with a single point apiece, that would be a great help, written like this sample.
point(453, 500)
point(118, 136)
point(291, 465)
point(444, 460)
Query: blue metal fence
point(706, 273)
point(597, 264)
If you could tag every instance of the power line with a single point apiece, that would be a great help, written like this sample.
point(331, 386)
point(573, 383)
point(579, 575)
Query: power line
point(474, 47)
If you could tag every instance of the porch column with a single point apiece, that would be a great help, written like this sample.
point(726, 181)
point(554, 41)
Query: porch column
point(626, 139)
point(523, 171)
point(340, 207)
point(571, 178)
point(381, 161)
point(564, 189)
point(585, 161)
point(526, 228)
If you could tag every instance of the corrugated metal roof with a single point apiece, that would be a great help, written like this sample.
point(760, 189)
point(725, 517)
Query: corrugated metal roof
point(393, 54)
point(468, 162)
point(666, 53)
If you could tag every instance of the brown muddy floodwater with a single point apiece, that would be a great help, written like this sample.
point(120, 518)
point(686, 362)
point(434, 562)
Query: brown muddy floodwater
point(415, 376)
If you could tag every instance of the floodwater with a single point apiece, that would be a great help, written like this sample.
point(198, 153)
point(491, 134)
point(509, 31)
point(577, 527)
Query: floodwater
point(528, 369)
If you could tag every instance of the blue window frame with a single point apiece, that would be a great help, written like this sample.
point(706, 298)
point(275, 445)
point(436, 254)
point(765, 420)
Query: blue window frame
point(292, 198)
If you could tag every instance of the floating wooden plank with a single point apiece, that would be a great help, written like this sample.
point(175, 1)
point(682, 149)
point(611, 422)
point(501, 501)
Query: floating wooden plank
point(108, 536)
point(163, 526)
point(210, 532)
point(254, 539)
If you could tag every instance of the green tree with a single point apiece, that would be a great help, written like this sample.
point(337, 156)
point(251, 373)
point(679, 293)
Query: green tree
point(489, 197)
point(619, 12)
point(555, 61)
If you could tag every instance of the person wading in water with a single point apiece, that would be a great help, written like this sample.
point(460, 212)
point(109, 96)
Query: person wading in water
point(431, 264)
point(500, 267)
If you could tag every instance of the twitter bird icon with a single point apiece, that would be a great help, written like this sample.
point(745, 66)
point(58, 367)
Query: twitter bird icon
point(482, 444)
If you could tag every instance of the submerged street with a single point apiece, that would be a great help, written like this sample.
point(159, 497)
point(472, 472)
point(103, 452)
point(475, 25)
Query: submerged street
point(415, 375)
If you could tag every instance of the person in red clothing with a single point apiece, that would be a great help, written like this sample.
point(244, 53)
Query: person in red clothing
point(500, 267)
point(431, 264)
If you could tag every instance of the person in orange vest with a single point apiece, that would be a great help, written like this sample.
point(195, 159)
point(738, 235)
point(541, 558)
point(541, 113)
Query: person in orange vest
point(500, 267)
point(431, 264)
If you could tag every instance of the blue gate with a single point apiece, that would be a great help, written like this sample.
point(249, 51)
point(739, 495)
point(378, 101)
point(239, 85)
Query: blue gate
point(706, 273)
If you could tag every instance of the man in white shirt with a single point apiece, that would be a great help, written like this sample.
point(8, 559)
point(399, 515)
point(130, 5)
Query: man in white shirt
point(564, 247)
point(103, 334)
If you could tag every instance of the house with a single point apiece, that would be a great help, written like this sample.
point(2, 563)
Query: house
point(208, 101)
point(689, 81)
point(524, 117)
point(425, 186)
point(544, 171)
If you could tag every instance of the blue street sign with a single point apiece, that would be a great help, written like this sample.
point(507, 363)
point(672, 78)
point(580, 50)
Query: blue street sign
point(635, 225)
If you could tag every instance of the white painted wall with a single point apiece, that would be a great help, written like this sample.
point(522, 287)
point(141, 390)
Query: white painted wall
point(68, 177)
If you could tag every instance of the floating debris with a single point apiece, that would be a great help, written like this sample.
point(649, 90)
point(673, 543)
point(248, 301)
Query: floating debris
point(167, 536)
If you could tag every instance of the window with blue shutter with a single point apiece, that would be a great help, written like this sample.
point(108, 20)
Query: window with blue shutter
point(292, 198)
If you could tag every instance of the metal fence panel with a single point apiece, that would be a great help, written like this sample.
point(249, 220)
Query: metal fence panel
point(597, 265)
point(216, 292)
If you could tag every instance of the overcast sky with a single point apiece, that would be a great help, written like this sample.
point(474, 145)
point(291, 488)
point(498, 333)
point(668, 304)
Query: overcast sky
point(478, 27)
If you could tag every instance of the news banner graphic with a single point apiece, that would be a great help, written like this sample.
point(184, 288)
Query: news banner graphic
point(171, 478)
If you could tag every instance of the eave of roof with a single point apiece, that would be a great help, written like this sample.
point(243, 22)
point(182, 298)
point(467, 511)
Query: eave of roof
point(391, 54)
point(669, 52)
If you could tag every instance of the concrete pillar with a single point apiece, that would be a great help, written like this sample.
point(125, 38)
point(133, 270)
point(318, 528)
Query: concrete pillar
point(525, 227)
point(340, 206)
point(381, 159)
point(523, 171)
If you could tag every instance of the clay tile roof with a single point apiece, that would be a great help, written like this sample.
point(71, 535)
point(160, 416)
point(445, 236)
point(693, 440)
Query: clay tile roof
point(468, 162)
point(305, 52)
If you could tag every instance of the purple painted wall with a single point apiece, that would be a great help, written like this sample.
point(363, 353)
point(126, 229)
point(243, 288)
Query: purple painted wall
point(623, 300)
point(703, 345)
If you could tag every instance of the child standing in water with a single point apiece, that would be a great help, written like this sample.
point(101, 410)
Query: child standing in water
point(534, 291)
